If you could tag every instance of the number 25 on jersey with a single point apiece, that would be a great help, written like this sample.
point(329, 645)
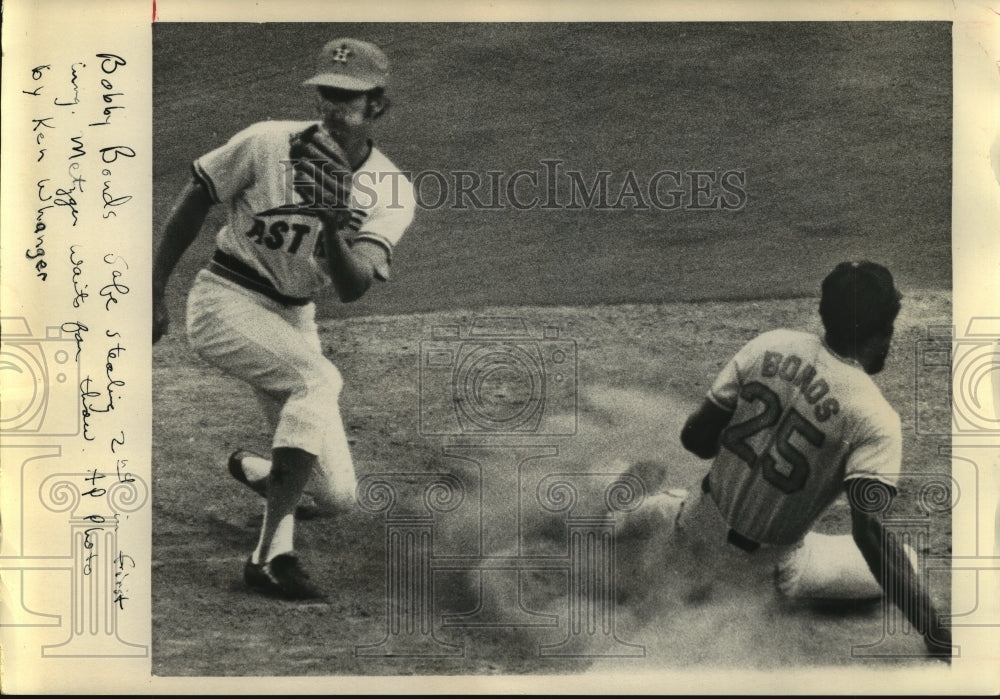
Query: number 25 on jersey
point(791, 473)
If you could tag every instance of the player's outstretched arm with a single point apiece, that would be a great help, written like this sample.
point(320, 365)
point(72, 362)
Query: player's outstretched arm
point(182, 227)
point(891, 566)
point(701, 432)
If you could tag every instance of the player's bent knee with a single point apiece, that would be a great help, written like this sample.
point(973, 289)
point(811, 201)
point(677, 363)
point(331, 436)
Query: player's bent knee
point(326, 381)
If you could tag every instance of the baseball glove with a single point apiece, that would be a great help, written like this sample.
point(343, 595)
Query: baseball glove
point(322, 174)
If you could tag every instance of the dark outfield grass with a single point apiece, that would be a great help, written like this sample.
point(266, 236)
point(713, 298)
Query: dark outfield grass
point(843, 130)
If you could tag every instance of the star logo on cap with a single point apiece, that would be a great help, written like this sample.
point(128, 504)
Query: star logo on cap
point(340, 55)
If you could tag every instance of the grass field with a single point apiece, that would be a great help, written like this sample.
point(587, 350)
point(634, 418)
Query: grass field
point(843, 131)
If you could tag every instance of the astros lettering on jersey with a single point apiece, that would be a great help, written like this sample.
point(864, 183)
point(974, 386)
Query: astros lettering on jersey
point(266, 227)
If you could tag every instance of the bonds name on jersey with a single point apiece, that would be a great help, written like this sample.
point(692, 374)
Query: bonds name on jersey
point(804, 421)
point(265, 227)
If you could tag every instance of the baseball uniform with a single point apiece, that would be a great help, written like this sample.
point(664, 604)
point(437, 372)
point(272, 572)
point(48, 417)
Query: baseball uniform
point(251, 313)
point(804, 422)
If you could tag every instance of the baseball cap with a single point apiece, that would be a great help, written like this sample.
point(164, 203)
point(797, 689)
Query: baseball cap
point(351, 64)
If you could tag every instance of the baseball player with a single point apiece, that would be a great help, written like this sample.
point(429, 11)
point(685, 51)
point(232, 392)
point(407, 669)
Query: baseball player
point(792, 421)
point(307, 204)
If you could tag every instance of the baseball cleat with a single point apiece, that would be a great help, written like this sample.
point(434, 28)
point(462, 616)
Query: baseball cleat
point(307, 507)
point(282, 576)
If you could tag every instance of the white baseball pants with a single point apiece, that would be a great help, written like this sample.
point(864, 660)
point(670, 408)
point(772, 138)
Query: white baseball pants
point(276, 349)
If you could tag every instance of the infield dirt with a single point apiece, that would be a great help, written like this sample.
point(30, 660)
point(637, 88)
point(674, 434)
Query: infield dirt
point(633, 399)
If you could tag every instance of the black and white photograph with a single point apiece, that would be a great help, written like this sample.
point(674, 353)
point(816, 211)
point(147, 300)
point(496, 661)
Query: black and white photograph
point(548, 348)
point(410, 349)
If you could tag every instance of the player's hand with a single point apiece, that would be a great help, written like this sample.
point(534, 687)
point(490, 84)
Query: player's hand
point(334, 220)
point(161, 318)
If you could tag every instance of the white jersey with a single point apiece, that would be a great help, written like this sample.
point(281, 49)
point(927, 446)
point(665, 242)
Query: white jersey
point(272, 240)
point(804, 421)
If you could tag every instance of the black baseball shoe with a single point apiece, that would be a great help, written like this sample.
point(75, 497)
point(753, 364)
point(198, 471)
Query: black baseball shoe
point(282, 576)
point(307, 507)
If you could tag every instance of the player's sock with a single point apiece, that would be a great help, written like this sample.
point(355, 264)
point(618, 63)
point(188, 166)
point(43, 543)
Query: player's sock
point(254, 467)
point(290, 473)
point(255, 556)
point(283, 537)
point(281, 542)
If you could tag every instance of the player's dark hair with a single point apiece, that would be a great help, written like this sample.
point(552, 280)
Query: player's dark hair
point(859, 302)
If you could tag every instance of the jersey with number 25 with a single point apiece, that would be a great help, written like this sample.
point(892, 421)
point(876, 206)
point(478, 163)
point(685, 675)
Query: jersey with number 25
point(265, 228)
point(805, 420)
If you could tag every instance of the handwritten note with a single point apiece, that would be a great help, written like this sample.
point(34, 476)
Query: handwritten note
point(77, 255)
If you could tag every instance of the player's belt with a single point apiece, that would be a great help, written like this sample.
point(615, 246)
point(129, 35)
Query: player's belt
point(228, 267)
point(733, 537)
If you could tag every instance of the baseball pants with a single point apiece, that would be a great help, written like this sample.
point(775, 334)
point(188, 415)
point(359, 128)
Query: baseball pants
point(817, 567)
point(276, 350)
